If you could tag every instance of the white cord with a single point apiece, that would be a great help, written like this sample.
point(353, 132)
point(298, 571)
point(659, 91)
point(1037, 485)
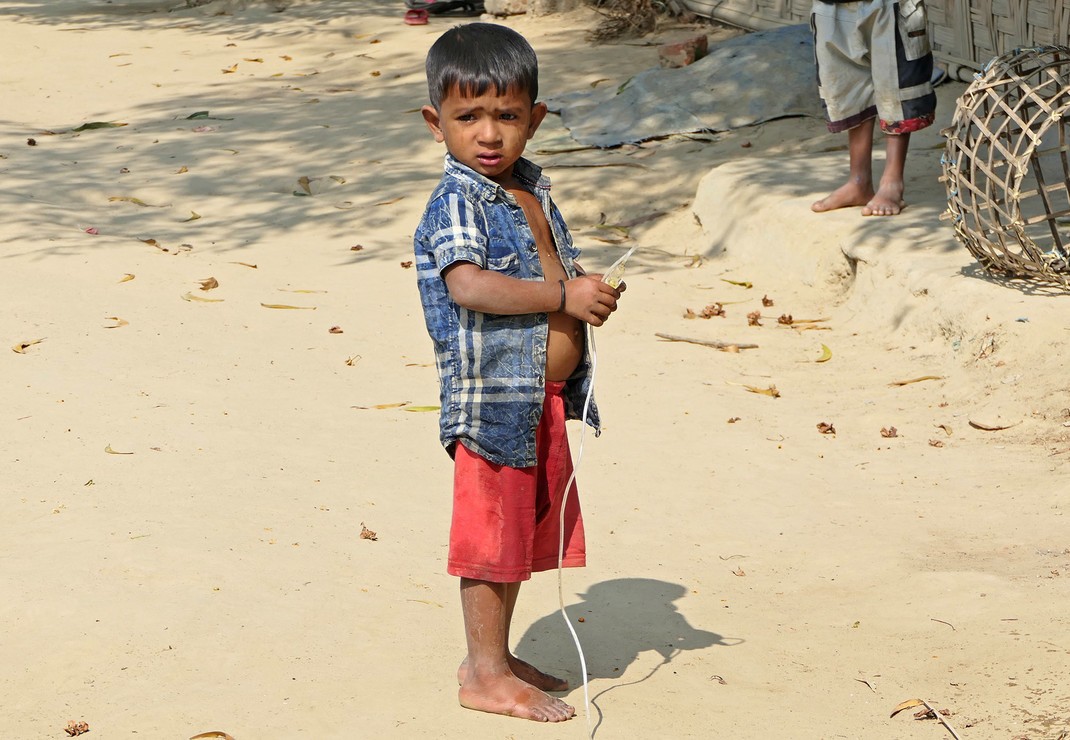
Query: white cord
point(561, 531)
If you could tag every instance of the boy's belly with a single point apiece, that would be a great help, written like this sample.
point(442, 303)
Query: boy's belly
point(564, 346)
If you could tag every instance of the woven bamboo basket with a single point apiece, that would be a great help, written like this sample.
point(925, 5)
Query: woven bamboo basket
point(1007, 165)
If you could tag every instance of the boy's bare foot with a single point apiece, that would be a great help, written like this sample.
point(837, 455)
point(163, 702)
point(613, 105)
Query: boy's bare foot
point(847, 195)
point(887, 202)
point(506, 694)
point(526, 673)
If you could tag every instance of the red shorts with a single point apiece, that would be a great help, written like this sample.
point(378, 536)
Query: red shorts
point(506, 521)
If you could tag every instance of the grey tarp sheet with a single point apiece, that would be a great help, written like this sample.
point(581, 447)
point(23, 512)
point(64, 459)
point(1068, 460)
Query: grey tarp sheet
point(742, 81)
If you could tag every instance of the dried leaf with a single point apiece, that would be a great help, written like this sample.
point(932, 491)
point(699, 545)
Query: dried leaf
point(231, 69)
point(826, 354)
point(110, 451)
point(73, 729)
point(135, 201)
point(767, 301)
point(351, 361)
point(300, 290)
point(367, 534)
point(212, 733)
point(754, 318)
point(356, 248)
point(991, 428)
point(338, 179)
point(689, 314)
point(244, 264)
point(785, 319)
point(741, 283)
point(98, 124)
point(422, 408)
point(209, 283)
point(200, 298)
point(285, 306)
point(915, 380)
point(182, 170)
point(826, 428)
point(946, 429)
point(406, 264)
point(21, 347)
point(887, 432)
point(335, 330)
point(389, 202)
point(193, 216)
point(714, 309)
point(258, 60)
point(126, 278)
point(305, 184)
point(739, 572)
point(118, 322)
point(935, 443)
point(771, 391)
point(908, 704)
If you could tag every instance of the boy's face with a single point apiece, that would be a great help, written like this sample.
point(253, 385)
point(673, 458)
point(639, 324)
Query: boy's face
point(487, 132)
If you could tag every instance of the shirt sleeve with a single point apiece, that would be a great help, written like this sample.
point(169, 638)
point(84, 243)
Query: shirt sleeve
point(458, 233)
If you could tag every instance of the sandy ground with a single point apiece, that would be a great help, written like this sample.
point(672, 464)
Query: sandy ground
point(749, 577)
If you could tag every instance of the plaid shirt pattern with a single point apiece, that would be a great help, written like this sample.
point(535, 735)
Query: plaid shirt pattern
point(491, 367)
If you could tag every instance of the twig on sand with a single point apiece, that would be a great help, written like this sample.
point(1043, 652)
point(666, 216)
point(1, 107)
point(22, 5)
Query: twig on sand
point(716, 344)
point(934, 619)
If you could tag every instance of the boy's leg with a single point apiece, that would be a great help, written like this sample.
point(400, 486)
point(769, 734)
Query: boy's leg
point(521, 669)
point(858, 190)
point(888, 200)
point(489, 683)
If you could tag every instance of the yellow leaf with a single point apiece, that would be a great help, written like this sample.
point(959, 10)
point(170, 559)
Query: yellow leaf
point(258, 60)
point(826, 354)
point(182, 170)
point(743, 284)
point(110, 451)
point(338, 179)
point(381, 406)
point(771, 391)
point(231, 69)
point(297, 290)
point(126, 278)
point(209, 283)
point(908, 704)
point(21, 347)
point(423, 408)
point(193, 216)
point(118, 322)
point(212, 733)
point(305, 184)
point(244, 264)
point(200, 298)
point(283, 305)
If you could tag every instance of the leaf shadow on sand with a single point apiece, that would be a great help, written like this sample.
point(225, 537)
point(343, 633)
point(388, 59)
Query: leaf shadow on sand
point(622, 618)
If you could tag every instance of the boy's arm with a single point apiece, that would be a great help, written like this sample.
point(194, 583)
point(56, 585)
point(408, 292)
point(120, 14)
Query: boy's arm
point(586, 297)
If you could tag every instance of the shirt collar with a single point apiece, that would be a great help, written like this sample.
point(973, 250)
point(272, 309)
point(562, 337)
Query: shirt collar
point(525, 170)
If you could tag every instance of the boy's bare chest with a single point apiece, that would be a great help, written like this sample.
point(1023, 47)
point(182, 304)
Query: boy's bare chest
point(540, 228)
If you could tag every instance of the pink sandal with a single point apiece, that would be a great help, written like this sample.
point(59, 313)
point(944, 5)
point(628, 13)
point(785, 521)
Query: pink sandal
point(416, 17)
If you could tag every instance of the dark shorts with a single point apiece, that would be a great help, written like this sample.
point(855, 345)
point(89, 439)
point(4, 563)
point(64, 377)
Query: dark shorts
point(506, 521)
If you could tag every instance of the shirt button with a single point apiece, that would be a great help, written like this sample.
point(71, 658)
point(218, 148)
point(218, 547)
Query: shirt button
point(542, 381)
point(533, 247)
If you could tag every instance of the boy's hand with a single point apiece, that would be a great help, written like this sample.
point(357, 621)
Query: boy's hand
point(588, 299)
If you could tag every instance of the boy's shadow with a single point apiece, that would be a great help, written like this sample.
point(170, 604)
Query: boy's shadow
point(621, 619)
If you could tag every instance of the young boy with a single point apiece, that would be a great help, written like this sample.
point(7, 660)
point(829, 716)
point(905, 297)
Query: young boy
point(873, 60)
point(505, 303)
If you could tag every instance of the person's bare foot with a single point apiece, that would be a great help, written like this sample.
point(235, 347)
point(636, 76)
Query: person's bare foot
point(847, 195)
point(888, 201)
point(506, 694)
point(526, 673)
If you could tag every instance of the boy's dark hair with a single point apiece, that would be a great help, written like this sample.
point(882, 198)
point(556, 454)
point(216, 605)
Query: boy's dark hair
point(476, 57)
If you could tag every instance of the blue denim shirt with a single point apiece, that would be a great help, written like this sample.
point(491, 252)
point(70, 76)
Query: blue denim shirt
point(492, 368)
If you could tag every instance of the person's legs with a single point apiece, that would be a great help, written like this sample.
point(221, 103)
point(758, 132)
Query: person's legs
point(858, 190)
point(521, 669)
point(888, 200)
point(489, 683)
